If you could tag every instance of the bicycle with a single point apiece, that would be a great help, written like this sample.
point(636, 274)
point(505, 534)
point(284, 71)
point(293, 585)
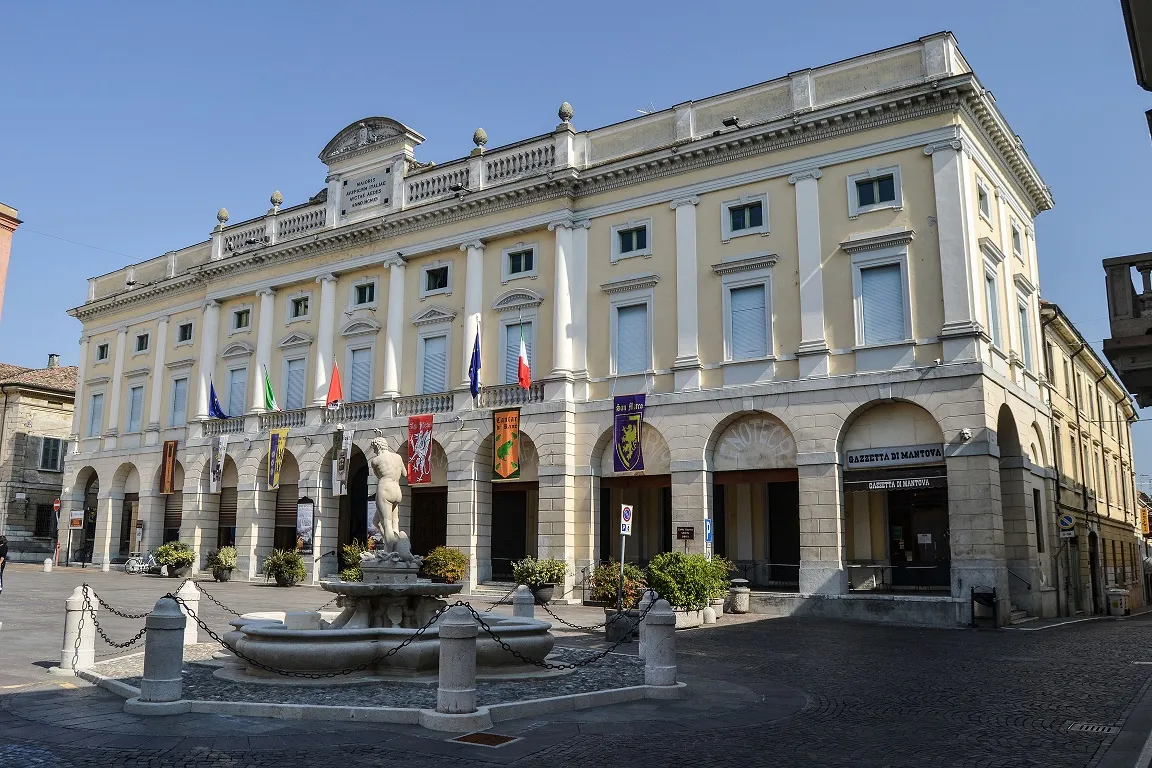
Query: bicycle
point(142, 563)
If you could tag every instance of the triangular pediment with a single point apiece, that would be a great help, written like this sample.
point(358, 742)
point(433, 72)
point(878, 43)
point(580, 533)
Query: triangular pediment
point(237, 349)
point(360, 326)
point(296, 339)
point(369, 134)
point(517, 299)
point(434, 314)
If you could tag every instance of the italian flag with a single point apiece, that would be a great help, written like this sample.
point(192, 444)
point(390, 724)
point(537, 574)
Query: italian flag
point(269, 395)
point(523, 371)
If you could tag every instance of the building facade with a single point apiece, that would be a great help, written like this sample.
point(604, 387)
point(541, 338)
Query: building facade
point(8, 225)
point(35, 423)
point(825, 285)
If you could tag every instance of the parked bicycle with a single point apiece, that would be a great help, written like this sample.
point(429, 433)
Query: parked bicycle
point(142, 563)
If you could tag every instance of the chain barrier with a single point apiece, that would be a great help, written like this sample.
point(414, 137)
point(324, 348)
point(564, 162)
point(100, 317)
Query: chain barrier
point(104, 635)
point(80, 631)
point(502, 601)
point(214, 600)
point(330, 602)
point(121, 614)
point(619, 616)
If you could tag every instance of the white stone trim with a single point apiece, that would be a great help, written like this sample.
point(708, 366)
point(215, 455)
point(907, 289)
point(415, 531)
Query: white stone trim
point(296, 339)
point(646, 223)
point(237, 349)
point(991, 251)
point(191, 337)
point(505, 268)
point(375, 283)
point(356, 343)
point(516, 300)
point(630, 283)
point(287, 358)
point(640, 295)
point(747, 262)
point(893, 255)
point(291, 298)
point(1023, 283)
point(232, 329)
point(854, 207)
point(982, 186)
point(726, 233)
point(507, 319)
point(360, 326)
point(187, 377)
point(107, 347)
point(745, 279)
point(425, 268)
point(136, 350)
point(876, 240)
point(429, 330)
point(991, 272)
point(434, 314)
point(93, 394)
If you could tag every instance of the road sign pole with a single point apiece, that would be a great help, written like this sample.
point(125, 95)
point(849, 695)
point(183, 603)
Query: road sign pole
point(620, 585)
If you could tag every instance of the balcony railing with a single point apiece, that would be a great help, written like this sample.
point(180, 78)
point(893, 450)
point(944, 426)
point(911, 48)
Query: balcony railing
point(1130, 319)
point(300, 223)
point(255, 234)
point(349, 412)
point(418, 404)
point(519, 161)
point(232, 426)
point(436, 183)
point(511, 394)
point(281, 419)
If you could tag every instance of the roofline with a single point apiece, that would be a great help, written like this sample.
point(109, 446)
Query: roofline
point(1066, 322)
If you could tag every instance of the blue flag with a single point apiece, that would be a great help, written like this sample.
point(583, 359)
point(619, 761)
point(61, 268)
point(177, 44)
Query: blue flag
point(214, 409)
point(474, 366)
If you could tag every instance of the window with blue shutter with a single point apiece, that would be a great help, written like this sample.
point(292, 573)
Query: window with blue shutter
point(135, 408)
point(96, 415)
point(237, 391)
point(179, 403)
point(632, 339)
point(360, 386)
point(882, 300)
point(294, 394)
point(512, 350)
point(749, 318)
point(435, 365)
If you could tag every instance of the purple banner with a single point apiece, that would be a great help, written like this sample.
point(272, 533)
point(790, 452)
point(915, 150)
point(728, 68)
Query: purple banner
point(627, 423)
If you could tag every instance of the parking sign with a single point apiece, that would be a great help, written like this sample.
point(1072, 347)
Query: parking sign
point(626, 519)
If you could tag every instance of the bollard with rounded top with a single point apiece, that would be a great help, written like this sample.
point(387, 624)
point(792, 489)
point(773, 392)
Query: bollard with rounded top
point(71, 657)
point(646, 600)
point(163, 652)
point(660, 661)
point(523, 603)
point(457, 692)
point(740, 596)
point(190, 594)
point(47, 565)
point(106, 565)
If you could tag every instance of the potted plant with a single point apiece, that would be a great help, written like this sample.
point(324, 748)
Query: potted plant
point(350, 560)
point(606, 590)
point(541, 576)
point(286, 566)
point(446, 564)
point(720, 569)
point(687, 582)
point(177, 557)
point(222, 562)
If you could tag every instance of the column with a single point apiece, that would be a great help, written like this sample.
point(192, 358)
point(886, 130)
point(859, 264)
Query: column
point(578, 270)
point(112, 428)
point(813, 350)
point(960, 329)
point(325, 336)
point(157, 394)
point(263, 346)
point(78, 407)
point(394, 335)
point(691, 504)
point(821, 526)
point(473, 301)
point(562, 301)
point(976, 529)
point(687, 363)
point(209, 332)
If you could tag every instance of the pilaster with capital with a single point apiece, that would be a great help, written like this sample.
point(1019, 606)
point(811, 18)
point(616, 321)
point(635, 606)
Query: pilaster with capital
point(578, 287)
point(813, 349)
point(325, 333)
point(209, 334)
point(687, 363)
point(113, 428)
point(473, 300)
point(394, 335)
point(157, 394)
point(78, 404)
point(263, 347)
point(562, 301)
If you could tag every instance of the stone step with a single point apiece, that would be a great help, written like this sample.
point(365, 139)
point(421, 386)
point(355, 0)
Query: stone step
point(1019, 615)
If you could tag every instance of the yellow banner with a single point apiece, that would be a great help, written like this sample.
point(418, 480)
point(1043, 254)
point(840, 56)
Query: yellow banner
point(506, 443)
point(1144, 521)
point(277, 438)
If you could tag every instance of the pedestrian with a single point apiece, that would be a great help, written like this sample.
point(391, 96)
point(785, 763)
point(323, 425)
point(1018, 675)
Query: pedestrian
point(3, 559)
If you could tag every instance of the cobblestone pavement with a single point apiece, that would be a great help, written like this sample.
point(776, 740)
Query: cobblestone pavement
point(783, 692)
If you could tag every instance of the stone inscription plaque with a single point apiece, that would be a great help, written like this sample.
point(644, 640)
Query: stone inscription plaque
point(365, 191)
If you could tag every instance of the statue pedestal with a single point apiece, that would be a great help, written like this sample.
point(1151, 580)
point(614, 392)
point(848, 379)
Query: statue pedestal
point(388, 572)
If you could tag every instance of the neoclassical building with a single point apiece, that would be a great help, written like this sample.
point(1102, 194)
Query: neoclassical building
point(826, 285)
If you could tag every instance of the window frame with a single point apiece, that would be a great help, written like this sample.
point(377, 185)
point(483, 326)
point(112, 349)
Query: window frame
point(304, 399)
point(981, 186)
point(172, 402)
point(758, 277)
point(356, 285)
point(425, 269)
point(872, 174)
point(355, 347)
point(59, 466)
point(247, 387)
point(646, 252)
point(233, 328)
point(132, 387)
point(1016, 231)
point(191, 324)
point(630, 299)
point(1024, 321)
point(107, 347)
point(883, 257)
point(726, 231)
point(506, 319)
point(506, 273)
point(92, 411)
point(294, 297)
point(136, 348)
point(428, 331)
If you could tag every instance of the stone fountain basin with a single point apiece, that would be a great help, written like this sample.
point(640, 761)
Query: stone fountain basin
point(333, 650)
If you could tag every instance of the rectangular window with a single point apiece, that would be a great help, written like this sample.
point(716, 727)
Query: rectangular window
point(142, 342)
point(96, 415)
point(631, 240)
point(366, 293)
point(179, 415)
point(135, 408)
point(241, 318)
point(1017, 241)
point(299, 307)
point(51, 453)
point(1067, 380)
point(749, 319)
point(294, 392)
point(183, 333)
point(360, 384)
point(512, 349)
point(45, 521)
point(102, 351)
point(983, 201)
point(1038, 516)
point(871, 192)
point(749, 216)
point(435, 376)
point(882, 304)
point(520, 262)
point(632, 345)
point(1025, 334)
point(992, 306)
point(237, 391)
point(436, 279)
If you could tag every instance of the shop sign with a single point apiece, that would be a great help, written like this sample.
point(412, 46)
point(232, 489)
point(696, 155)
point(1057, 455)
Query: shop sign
point(76, 518)
point(686, 533)
point(897, 456)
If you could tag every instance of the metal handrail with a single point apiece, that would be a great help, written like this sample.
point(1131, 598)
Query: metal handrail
point(1026, 582)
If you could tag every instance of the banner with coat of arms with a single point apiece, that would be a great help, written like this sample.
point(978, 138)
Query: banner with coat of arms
point(506, 443)
point(627, 425)
point(168, 476)
point(277, 439)
point(216, 473)
point(420, 449)
point(340, 464)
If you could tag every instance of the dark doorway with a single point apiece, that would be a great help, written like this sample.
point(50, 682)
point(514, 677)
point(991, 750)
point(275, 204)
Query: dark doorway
point(784, 536)
point(719, 522)
point(509, 531)
point(226, 526)
point(1093, 569)
point(128, 525)
point(429, 519)
point(606, 531)
point(918, 538)
point(354, 526)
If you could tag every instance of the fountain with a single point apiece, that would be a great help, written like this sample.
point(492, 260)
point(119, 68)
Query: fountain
point(382, 611)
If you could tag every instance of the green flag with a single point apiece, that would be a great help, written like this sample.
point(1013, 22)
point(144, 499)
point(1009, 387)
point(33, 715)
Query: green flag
point(269, 395)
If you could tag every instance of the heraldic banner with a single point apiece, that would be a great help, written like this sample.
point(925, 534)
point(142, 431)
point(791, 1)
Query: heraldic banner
point(277, 438)
point(420, 449)
point(219, 451)
point(168, 478)
point(627, 423)
point(506, 443)
point(340, 464)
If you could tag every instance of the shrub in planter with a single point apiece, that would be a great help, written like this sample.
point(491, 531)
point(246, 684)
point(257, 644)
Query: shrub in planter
point(286, 566)
point(541, 576)
point(176, 556)
point(606, 580)
point(686, 581)
point(721, 571)
point(222, 562)
point(446, 563)
point(350, 560)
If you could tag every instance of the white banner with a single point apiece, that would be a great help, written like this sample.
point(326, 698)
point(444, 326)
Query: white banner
point(219, 451)
point(340, 464)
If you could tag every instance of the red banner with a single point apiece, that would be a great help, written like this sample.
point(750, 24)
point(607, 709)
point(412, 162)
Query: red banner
point(420, 449)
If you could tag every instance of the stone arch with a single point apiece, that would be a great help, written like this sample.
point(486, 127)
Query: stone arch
point(657, 456)
point(529, 458)
point(1036, 450)
point(751, 440)
point(229, 475)
point(1007, 434)
point(171, 505)
point(126, 479)
point(437, 457)
point(887, 423)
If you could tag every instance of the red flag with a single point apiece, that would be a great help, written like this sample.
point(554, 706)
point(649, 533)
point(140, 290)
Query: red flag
point(523, 371)
point(335, 391)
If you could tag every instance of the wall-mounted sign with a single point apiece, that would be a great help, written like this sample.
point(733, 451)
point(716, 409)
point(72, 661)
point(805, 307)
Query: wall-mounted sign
point(923, 538)
point(907, 483)
point(896, 456)
point(76, 518)
point(1066, 522)
point(364, 191)
point(686, 533)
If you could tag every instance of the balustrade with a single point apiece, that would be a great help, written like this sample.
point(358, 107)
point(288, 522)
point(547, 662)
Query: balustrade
point(418, 404)
point(519, 161)
point(232, 426)
point(432, 184)
point(300, 223)
point(255, 234)
point(281, 419)
point(349, 412)
point(511, 394)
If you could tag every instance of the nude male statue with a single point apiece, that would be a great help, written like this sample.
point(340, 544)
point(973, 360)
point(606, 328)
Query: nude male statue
point(388, 467)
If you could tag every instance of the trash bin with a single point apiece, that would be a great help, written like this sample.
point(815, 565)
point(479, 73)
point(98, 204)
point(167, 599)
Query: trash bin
point(739, 596)
point(1117, 602)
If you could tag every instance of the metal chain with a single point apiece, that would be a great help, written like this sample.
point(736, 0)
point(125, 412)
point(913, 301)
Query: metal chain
point(80, 631)
point(91, 612)
point(501, 601)
point(313, 675)
point(121, 614)
point(327, 603)
point(592, 628)
point(214, 600)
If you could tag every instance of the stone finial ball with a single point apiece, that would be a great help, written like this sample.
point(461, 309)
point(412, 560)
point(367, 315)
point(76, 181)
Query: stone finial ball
point(276, 198)
point(480, 138)
point(222, 215)
point(566, 112)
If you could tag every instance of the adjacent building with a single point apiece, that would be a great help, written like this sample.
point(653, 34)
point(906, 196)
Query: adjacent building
point(8, 225)
point(35, 422)
point(825, 285)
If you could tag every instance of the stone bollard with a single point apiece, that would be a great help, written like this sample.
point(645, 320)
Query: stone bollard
point(646, 600)
point(660, 661)
point(47, 565)
point(190, 594)
point(163, 652)
point(71, 657)
point(457, 692)
point(740, 596)
point(523, 603)
point(106, 565)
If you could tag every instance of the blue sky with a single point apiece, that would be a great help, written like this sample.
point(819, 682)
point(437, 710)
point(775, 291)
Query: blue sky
point(125, 126)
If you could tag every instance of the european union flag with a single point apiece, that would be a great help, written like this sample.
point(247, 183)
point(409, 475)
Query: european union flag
point(474, 366)
point(214, 409)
